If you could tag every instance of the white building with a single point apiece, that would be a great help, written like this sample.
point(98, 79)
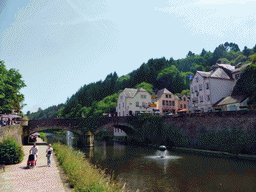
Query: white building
point(133, 101)
point(207, 88)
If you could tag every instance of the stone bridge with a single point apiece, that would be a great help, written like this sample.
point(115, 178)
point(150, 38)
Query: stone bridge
point(107, 123)
point(191, 124)
point(39, 125)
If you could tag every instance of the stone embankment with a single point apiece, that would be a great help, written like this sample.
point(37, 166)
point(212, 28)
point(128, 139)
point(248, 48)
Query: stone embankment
point(41, 178)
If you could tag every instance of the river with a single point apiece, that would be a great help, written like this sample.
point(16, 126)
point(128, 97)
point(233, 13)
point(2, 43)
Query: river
point(142, 168)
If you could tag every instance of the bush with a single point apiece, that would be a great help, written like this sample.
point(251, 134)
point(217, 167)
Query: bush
point(11, 152)
point(103, 135)
point(43, 137)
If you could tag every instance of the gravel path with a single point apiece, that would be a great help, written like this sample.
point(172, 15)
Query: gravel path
point(41, 178)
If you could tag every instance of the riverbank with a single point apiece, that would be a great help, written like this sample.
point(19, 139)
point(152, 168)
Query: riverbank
point(82, 175)
point(41, 178)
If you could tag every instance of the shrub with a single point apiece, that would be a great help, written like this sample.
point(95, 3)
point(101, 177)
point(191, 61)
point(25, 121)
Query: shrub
point(43, 137)
point(103, 135)
point(11, 151)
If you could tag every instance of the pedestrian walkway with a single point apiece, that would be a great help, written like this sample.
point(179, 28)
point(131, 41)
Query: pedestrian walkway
point(41, 178)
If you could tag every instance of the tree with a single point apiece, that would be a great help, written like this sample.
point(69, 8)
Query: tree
point(146, 86)
point(28, 113)
point(254, 48)
point(190, 54)
point(10, 85)
point(246, 51)
point(203, 53)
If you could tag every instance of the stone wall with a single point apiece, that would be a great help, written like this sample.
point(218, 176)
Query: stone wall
point(13, 131)
point(192, 125)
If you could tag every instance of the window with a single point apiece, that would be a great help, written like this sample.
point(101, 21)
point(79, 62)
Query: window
point(166, 96)
point(173, 103)
point(185, 106)
point(119, 105)
point(137, 104)
point(184, 98)
point(143, 96)
point(123, 104)
point(208, 97)
point(207, 85)
point(181, 106)
point(170, 96)
point(200, 87)
point(143, 104)
point(201, 99)
point(195, 88)
point(167, 103)
point(163, 102)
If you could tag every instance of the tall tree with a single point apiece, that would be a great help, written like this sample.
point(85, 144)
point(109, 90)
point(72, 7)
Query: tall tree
point(246, 51)
point(10, 85)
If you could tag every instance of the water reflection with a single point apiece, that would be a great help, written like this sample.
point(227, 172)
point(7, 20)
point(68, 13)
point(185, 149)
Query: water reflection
point(143, 169)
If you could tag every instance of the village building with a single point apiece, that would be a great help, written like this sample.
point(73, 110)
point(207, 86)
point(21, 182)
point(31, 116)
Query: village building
point(207, 88)
point(133, 102)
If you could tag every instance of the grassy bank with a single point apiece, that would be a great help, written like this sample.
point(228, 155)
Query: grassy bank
point(83, 176)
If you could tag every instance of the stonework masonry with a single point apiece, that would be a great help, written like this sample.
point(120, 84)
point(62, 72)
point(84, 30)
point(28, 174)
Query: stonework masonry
point(13, 131)
point(193, 125)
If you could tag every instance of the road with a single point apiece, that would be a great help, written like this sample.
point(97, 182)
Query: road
point(41, 178)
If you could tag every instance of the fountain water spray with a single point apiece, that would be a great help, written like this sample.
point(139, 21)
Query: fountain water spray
point(163, 150)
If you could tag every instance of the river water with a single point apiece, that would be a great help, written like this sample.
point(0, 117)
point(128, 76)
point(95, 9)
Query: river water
point(142, 168)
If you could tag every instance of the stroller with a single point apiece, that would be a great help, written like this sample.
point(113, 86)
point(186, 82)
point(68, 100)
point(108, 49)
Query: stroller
point(31, 161)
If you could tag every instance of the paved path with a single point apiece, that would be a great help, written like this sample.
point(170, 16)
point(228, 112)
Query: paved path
point(41, 178)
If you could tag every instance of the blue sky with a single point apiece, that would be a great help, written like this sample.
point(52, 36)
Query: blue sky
point(60, 45)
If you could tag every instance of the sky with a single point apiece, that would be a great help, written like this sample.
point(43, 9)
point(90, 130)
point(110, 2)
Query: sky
point(58, 46)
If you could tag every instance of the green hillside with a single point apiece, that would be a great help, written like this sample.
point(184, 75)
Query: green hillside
point(101, 96)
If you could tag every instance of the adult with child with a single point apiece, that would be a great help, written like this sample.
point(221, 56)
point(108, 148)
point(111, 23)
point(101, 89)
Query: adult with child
point(49, 151)
point(34, 151)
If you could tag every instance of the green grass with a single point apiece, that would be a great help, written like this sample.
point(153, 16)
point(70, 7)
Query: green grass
point(83, 176)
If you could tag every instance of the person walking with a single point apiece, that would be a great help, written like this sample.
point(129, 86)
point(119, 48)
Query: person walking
point(34, 151)
point(49, 151)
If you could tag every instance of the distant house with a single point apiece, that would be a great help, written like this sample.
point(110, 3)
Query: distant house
point(166, 102)
point(207, 88)
point(133, 102)
point(231, 103)
point(183, 103)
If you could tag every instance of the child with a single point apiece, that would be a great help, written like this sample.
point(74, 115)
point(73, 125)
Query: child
point(49, 151)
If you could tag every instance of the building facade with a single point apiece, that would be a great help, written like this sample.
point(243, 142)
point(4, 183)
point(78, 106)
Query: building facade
point(207, 88)
point(133, 101)
point(166, 102)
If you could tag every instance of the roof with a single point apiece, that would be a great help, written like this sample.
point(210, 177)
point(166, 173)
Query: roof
point(204, 74)
point(220, 73)
point(130, 92)
point(165, 91)
point(227, 66)
point(241, 68)
point(216, 73)
point(230, 100)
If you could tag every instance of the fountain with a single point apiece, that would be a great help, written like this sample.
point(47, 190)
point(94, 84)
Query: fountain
point(163, 150)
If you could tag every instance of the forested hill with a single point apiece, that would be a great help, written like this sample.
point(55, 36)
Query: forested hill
point(101, 96)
